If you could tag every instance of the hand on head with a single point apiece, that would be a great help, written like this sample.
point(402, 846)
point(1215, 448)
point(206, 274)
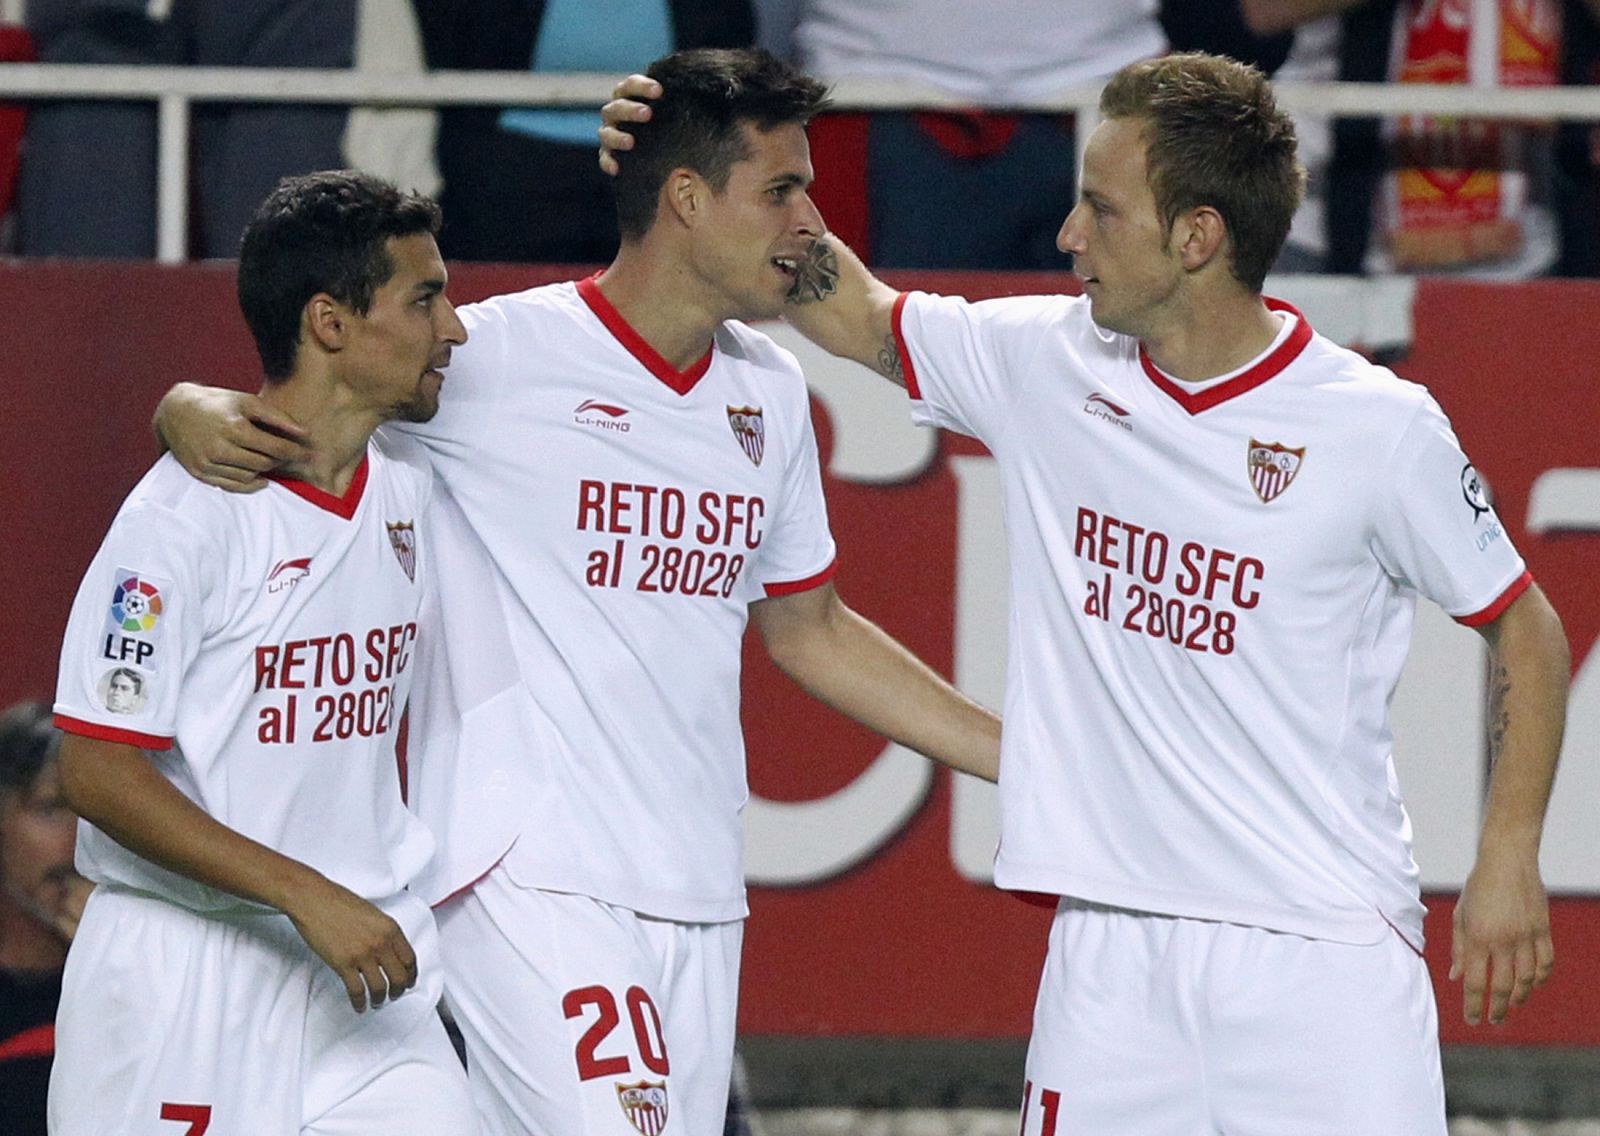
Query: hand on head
point(624, 107)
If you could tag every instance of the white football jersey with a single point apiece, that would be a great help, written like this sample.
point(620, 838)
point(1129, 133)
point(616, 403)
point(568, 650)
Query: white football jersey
point(604, 523)
point(1211, 601)
point(259, 648)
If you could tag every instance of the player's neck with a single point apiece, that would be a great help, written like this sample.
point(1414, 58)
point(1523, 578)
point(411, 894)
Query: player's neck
point(337, 430)
point(26, 943)
point(1205, 340)
point(663, 302)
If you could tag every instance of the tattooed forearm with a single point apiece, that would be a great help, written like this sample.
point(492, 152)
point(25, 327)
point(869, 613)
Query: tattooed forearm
point(816, 274)
point(889, 364)
point(1499, 688)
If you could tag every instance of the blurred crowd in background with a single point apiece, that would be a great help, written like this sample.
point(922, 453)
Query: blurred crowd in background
point(41, 898)
point(908, 189)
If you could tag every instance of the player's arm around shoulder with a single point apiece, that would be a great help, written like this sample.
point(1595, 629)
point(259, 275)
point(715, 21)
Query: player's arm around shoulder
point(848, 662)
point(1502, 945)
point(841, 307)
point(226, 438)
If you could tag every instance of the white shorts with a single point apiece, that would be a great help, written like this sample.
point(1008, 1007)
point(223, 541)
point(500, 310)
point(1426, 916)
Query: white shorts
point(584, 1019)
point(173, 1023)
point(1147, 1025)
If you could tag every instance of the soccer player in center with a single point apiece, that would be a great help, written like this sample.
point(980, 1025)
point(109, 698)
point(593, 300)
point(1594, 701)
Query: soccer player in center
point(231, 683)
point(629, 475)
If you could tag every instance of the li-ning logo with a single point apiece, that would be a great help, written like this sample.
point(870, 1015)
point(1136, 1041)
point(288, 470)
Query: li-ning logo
point(602, 415)
point(288, 573)
point(1099, 406)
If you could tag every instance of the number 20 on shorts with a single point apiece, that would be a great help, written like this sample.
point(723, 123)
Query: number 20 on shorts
point(649, 1043)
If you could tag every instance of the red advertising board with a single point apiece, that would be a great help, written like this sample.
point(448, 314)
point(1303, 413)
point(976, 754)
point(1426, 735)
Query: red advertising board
point(892, 932)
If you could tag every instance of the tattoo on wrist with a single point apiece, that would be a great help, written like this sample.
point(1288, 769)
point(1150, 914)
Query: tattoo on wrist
point(816, 273)
point(889, 364)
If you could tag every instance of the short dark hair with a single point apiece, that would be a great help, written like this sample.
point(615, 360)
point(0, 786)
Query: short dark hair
point(320, 232)
point(707, 95)
point(28, 740)
point(1216, 137)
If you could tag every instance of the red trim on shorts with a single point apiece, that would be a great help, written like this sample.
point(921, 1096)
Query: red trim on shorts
point(40, 1041)
point(906, 368)
point(791, 587)
point(343, 507)
point(1196, 401)
point(111, 733)
point(680, 381)
point(1495, 610)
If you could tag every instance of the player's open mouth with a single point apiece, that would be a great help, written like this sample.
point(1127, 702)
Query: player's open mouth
point(786, 265)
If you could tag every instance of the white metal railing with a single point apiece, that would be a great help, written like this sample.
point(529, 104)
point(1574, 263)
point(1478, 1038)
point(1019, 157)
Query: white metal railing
point(175, 90)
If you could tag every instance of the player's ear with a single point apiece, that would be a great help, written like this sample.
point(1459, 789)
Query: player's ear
point(322, 321)
point(1198, 235)
point(684, 196)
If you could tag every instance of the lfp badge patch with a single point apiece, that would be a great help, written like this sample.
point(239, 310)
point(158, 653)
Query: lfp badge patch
point(135, 603)
point(135, 619)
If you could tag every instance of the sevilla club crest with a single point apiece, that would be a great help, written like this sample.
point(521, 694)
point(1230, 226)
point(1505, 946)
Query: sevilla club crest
point(403, 539)
point(748, 428)
point(1273, 467)
point(645, 1105)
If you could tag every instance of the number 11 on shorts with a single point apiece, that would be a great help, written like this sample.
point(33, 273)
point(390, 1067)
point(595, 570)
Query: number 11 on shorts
point(1049, 1106)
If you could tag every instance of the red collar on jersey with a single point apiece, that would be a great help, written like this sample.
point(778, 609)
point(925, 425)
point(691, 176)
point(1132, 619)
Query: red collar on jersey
point(1280, 357)
point(344, 507)
point(681, 381)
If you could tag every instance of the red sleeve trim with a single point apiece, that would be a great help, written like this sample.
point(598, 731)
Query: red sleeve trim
point(1493, 612)
point(40, 1041)
point(789, 588)
point(111, 733)
point(912, 388)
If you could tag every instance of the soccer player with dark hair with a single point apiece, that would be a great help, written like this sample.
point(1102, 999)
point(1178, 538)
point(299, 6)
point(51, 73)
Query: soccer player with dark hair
point(630, 478)
point(1218, 523)
point(231, 685)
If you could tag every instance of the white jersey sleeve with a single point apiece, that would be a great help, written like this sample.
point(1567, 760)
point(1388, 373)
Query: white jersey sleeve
point(135, 627)
point(1438, 533)
point(966, 363)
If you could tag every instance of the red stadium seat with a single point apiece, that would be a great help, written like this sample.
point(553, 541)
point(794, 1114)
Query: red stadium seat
point(16, 46)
